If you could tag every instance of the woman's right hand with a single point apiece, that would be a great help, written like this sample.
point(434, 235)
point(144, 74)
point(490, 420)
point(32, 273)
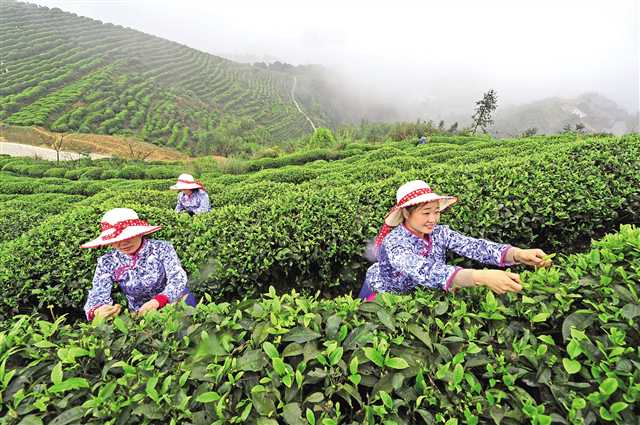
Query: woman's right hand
point(107, 311)
point(498, 281)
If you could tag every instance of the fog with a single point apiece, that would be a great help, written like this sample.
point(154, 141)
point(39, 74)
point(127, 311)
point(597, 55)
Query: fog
point(445, 53)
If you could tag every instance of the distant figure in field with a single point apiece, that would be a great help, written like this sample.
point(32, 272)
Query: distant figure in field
point(422, 140)
point(192, 197)
point(411, 250)
point(147, 270)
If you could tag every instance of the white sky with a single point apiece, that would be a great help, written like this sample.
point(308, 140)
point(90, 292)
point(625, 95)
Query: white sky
point(414, 49)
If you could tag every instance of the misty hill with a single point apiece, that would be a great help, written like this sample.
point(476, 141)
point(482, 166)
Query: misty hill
point(70, 73)
point(596, 112)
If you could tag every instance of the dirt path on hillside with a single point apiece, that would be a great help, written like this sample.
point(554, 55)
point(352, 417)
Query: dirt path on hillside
point(293, 97)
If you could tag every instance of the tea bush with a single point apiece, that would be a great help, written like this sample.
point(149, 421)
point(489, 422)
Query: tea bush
point(565, 350)
point(310, 232)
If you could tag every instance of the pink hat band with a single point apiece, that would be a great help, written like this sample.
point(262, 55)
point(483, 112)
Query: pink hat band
point(194, 182)
point(119, 227)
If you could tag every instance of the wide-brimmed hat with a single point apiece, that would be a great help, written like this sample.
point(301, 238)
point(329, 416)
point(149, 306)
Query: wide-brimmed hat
point(412, 193)
point(186, 181)
point(120, 224)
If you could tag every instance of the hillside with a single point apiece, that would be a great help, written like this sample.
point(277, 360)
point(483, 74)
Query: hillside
point(596, 112)
point(70, 73)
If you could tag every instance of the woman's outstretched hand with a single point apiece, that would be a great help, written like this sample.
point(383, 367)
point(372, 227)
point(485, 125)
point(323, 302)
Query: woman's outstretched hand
point(148, 306)
point(531, 257)
point(498, 281)
point(107, 311)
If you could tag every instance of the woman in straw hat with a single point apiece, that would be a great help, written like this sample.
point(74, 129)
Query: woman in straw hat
point(192, 198)
point(411, 248)
point(148, 271)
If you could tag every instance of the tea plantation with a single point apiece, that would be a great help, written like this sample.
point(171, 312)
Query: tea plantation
point(279, 339)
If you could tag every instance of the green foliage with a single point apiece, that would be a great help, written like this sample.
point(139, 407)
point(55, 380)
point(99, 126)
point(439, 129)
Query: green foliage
point(426, 358)
point(307, 226)
point(28, 211)
point(322, 137)
point(71, 74)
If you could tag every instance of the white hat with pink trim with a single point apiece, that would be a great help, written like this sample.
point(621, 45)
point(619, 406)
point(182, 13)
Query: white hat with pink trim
point(412, 193)
point(186, 181)
point(120, 224)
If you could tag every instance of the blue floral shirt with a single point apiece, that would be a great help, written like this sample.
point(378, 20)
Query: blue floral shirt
point(155, 269)
point(197, 202)
point(406, 261)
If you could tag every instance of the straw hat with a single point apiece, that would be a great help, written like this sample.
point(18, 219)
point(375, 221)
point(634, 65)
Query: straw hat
point(412, 193)
point(120, 224)
point(186, 181)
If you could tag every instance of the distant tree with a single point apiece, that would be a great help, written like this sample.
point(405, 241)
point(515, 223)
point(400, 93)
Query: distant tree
point(453, 129)
point(529, 132)
point(567, 128)
point(441, 126)
point(581, 128)
point(138, 154)
point(484, 108)
point(57, 143)
point(322, 137)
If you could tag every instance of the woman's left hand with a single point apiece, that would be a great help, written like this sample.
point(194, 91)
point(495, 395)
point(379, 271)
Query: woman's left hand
point(532, 257)
point(150, 305)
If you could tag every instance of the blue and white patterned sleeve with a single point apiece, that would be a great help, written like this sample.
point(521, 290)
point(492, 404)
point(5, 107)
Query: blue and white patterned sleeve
point(176, 276)
point(481, 250)
point(429, 274)
point(203, 205)
point(179, 207)
point(100, 293)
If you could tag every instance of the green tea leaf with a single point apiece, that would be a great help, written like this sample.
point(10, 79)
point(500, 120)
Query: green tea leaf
point(151, 388)
point(292, 414)
point(386, 319)
point(279, 366)
point(252, 361)
point(335, 356)
point(578, 403)
point(68, 416)
point(56, 373)
point(119, 323)
point(271, 350)
point(419, 333)
point(579, 319)
point(374, 355)
point(316, 397)
point(573, 349)
point(540, 317)
point(396, 363)
point(609, 386)
point(208, 397)
point(458, 374)
point(31, 420)
point(547, 339)
point(310, 417)
point(353, 365)
point(630, 311)
point(571, 366)
point(69, 384)
point(386, 399)
point(618, 406)
point(300, 335)
point(293, 349)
